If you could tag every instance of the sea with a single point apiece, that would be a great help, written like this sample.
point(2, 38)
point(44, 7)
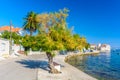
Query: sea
point(103, 66)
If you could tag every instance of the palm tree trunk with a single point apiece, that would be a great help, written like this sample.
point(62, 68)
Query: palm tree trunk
point(30, 32)
point(50, 63)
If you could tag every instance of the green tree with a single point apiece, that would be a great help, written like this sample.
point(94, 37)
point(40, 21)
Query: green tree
point(52, 26)
point(26, 42)
point(57, 36)
point(54, 34)
point(30, 23)
point(15, 37)
point(48, 20)
point(87, 45)
point(5, 35)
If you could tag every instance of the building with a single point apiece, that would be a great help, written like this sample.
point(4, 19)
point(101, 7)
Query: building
point(4, 47)
point(105, 47)
point(7, 28)
point(100, 47)
point(93, 46)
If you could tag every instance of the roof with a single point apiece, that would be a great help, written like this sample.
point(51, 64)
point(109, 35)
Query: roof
point(104, 45)
point(7, 28)
point(93, 45)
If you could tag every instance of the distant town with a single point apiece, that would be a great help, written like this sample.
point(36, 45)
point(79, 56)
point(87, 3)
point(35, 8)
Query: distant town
point(100, 47)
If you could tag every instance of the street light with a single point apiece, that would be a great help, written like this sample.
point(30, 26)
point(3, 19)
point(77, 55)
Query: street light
point(10, 42)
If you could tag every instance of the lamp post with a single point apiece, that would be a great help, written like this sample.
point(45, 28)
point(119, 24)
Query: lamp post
point(10, 42)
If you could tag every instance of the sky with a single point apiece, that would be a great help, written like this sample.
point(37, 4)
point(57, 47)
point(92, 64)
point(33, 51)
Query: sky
point(97, 20)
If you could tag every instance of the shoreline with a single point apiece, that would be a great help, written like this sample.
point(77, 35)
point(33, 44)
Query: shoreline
point(79, 54)
point(69, 72)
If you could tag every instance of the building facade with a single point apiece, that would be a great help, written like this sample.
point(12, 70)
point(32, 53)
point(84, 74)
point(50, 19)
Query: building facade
point(100, 47)
point(4, 47)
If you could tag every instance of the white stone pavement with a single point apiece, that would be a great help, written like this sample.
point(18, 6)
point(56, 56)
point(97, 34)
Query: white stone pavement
point(68, 72)
point(34, 67)
point(21, 68)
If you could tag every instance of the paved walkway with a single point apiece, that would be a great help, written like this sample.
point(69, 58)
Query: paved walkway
point(22, 68)
point(34, 67)
point(68, 72)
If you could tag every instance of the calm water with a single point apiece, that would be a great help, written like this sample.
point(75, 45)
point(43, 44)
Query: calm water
point(103, 66)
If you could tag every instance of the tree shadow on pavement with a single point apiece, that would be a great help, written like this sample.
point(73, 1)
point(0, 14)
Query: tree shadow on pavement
point(34, 64)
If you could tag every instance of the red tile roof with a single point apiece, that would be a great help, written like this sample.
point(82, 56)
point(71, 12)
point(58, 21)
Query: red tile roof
point(103, 45)
point(7, 28)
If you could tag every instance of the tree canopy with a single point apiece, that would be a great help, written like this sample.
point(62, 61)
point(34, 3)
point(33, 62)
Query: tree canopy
point(15, 37)
point(30, 23)
point(53, 34)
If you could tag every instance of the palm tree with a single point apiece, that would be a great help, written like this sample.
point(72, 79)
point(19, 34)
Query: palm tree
point(30, 23)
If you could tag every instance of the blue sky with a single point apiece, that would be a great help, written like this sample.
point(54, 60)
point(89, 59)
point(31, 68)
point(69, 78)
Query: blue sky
point(97, 20)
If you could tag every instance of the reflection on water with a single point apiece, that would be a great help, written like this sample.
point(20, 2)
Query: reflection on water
point(103, 66)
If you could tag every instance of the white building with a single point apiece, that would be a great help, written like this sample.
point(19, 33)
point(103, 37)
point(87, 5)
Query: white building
point(93, 46)
point(100, 47)
point(16, 48)
point(4, 47)
point(105, 47)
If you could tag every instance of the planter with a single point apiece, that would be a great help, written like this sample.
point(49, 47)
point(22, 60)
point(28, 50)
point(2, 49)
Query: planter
point(57, 66)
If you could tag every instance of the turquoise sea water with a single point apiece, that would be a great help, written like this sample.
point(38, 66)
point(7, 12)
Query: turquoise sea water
point(103, 66)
